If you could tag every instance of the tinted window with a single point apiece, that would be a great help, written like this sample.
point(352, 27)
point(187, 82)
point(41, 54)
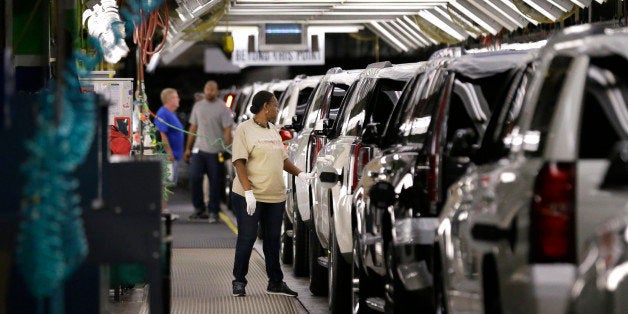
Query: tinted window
point(337, 95)
point(374, 105)
point(304, 95)
point(319, 98)
point(604, 119)
point(416, 116)
point(354, 115)
point(284, 103)
point(546, 105)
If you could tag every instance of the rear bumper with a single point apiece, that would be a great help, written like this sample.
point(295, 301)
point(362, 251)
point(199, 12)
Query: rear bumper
point(551, 286)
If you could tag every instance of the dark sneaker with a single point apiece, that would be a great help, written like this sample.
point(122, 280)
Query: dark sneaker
point(198, 216)
point(213, 218)
point(281, 288)
point(239, 289)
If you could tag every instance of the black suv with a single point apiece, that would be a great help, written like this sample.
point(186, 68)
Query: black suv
point(434, 133)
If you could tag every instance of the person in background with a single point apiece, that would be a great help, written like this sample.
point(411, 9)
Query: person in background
point(211, 120)
point(259, 192)
point(170, 128)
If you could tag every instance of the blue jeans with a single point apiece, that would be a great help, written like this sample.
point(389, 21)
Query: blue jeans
point(203, 163)
point(271, 217)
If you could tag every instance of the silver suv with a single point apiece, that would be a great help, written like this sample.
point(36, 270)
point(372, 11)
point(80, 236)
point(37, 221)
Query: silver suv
point(365, 112)
point(511, 233)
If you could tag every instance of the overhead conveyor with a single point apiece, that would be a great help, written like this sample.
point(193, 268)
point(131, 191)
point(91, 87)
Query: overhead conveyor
point(405, 25)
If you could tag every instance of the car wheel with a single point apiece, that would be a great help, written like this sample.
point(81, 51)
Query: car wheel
point(300, 266)
point(398, 299)
point(318, 273)
point(440, 298)
point(360, 286)
point(286, 241)
point(339, 277)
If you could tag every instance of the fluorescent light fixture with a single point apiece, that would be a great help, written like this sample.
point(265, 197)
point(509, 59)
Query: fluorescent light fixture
point(563, 5)
point(509, 10)
point(415, 27)
point(154, 60)
point(430, 17)
point(412, 33)
point(471, 15)
point(582, 4)
point(389, 37)
point(393, 29)
point(335, 29)
point(276, 11)
point(409, 7)
point(236, 28)
point(542, 7)
point(398, 26)
point(181, 15)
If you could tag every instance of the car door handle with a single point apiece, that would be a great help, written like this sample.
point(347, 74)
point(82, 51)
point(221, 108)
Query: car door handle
point(330, 177)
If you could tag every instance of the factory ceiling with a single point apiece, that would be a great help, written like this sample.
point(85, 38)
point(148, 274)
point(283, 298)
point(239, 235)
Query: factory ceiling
point(405, 25)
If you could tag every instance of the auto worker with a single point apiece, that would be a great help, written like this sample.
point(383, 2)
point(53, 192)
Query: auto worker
point(211, 120)
point(170, 127)
point(259, 192)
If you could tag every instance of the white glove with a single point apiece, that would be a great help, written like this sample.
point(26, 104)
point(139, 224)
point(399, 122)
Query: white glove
point(306, 177)
point(250, 202)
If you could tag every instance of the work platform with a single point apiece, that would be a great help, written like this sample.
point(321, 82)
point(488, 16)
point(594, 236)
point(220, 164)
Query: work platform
point(202, 264)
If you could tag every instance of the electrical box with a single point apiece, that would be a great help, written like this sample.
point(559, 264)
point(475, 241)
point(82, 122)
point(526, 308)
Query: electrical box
point(119, 93)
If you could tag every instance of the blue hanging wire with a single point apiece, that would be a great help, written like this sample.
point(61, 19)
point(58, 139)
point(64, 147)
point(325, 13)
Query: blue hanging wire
point(51, 241)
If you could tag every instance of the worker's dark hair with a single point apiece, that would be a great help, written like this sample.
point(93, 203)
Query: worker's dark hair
point(260, 99)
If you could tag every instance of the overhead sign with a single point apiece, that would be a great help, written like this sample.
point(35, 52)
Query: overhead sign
point(243, 58)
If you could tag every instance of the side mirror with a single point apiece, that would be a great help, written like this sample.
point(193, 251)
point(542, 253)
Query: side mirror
point(370, 134)
point(296, 124)
point(322, 127)
point(617, 174)
point(462, 144)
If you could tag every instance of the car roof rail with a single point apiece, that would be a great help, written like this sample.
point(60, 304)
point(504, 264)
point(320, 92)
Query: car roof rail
point(379, 65)
point(334, 70)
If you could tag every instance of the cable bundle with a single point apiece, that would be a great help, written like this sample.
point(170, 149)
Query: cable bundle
point(51, 242)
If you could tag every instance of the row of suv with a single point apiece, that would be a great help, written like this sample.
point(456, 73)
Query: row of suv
point(467, 182)
point(438, 127)
point(513, 231)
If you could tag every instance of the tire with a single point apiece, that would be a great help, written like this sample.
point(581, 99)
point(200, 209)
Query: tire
point(300, 248)
point(318, 273)
point(440, 298)
point(361, 288)
point(286, 241)
point(490, 286)
point(339, 277)
point(398, 299)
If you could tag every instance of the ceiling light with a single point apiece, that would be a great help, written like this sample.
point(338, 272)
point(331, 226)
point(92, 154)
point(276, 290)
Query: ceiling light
point(460, 6)
point(389, 37)
point(430, 17)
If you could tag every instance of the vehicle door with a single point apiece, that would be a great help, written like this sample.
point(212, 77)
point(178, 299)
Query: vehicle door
point(396, 167)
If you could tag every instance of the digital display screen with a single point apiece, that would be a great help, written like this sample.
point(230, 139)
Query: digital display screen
point(283, 34)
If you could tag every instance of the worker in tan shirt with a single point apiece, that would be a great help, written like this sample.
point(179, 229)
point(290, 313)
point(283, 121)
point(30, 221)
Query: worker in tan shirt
point(259, 192)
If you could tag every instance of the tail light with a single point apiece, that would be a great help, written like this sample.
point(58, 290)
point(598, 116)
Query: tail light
point(361, 156)
point(286, 135)
point(553, 218)
point(229, 100)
